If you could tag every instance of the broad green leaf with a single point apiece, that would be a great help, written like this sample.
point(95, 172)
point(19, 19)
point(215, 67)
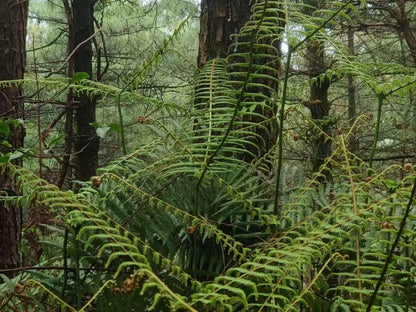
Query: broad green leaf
point(6, 143)
point(4, 128)
point(15, 155)
point(79, 76)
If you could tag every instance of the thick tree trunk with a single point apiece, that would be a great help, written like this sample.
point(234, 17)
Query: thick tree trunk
point(258, 102)
point(219, 20)
point(86, 142)
point(13, 21)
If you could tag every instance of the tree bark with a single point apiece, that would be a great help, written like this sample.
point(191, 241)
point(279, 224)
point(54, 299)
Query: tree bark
point(86, 140)
point(219, 20)
point(258, 100)
point(318, 103)
point(13, 23)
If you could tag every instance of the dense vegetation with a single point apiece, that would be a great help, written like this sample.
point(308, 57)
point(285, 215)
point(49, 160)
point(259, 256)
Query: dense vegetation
point(279, 178)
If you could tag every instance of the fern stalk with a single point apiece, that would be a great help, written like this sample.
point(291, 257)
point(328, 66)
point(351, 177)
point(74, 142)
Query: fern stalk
point(280, 138)
point(211, 98)
point(393, 247)
point(354, 202)
point(307, 289)
point(52, 294)
point(380, 97)
point(95, 296)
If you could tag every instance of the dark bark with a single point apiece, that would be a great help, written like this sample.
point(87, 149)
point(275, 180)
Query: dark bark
point(318, 103)
point(86, 140)
point(13, 21)
point(219, 20)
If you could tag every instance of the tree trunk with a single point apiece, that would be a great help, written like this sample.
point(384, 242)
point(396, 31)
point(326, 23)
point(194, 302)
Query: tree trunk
point(13, 21)
point(219, 20)
point(254, 63)
point(318, 103)
point(86, 140)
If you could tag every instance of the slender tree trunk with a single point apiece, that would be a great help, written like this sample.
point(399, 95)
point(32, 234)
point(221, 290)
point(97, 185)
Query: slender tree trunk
point(318, 103)
point(13, 22)
point(219, 20)
point(86, 140)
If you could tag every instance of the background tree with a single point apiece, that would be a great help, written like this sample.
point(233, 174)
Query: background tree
point(118, 48)
point(318, 102)
point(86, 140)
point(12, 54)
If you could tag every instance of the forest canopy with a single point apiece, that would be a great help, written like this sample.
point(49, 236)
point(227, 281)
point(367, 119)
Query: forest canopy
point(213, 155)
